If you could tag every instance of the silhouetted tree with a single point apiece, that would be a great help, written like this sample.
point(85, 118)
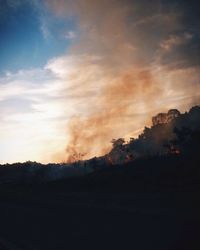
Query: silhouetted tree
point(118, 142)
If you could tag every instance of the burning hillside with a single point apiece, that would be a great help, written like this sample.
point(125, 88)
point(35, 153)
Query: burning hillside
point(179, 136)
point(165, 136)
point(171, 133)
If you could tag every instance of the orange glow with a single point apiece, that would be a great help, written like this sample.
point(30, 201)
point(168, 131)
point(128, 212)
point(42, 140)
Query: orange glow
point(108, 119)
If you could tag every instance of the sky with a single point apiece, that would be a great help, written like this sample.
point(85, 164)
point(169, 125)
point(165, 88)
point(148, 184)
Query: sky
point(74, 74)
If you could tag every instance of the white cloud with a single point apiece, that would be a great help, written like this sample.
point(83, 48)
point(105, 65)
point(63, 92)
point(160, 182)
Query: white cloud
point(51, 95)
point(36, 131)
point(45, 30)
point(70, 35)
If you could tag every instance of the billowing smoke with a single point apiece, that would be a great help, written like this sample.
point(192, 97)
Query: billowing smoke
point(91, 135)
point(120, 82)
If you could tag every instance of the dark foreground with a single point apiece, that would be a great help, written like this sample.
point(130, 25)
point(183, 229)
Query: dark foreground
point(134, 207)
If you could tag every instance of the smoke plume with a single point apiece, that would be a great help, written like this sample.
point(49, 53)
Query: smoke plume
point(116, 78)
point(90, 136)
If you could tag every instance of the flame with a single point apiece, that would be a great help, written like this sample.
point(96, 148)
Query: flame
point(129, 158)
point(110, 160)
point(174, 150)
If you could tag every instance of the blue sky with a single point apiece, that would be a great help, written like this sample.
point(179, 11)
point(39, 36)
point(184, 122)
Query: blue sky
point(30, 35)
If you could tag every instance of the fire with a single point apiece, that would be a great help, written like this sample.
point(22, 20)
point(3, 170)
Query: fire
point(110, 160)
point(129, 158)
point(174, 150)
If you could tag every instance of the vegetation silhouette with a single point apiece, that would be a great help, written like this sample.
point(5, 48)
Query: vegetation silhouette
point(144, 194)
